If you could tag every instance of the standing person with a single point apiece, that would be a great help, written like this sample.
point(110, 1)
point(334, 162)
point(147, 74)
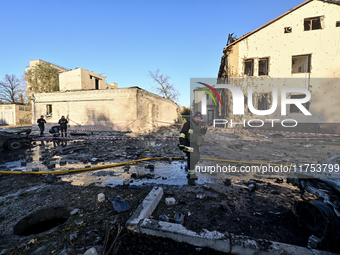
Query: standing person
point(63, 125)
point(41, 124)
point(190, 140)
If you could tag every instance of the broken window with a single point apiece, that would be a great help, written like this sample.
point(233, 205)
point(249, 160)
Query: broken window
point(337, 24)
point(288, 30)
point(262, 102)
point(312, 23)
point(294, 108)
point(246, 104)
point(301, 63)
point(249, 67)
point(48, 110)
point(263, 66)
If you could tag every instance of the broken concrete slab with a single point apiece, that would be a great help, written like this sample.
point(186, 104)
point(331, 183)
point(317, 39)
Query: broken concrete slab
point(145, 209)
point(229, 243)
point(177, 232)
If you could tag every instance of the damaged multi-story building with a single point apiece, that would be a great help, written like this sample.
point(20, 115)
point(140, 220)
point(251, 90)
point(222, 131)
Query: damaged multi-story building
point(300, 48)
point(86, 100)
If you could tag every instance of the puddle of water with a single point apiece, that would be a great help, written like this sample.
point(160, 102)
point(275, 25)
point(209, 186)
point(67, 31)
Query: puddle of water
point(164, 172)
point(11, 160)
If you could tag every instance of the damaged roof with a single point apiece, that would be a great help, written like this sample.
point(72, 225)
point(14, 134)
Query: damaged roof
point(331, 1)
point(337, 2)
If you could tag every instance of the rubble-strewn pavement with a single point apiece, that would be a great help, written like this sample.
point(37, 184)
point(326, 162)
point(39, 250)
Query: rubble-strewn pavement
point(222, 202)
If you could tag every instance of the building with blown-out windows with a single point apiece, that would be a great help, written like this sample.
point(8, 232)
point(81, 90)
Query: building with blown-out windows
point(300, 48)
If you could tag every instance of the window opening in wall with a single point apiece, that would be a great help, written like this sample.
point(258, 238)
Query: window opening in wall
point(97, 84)
point(246, 104)
point(262, 102)
point(312, 23)
point(210, 116)
point(288, 30)
point(263, 66)
point(249, 67)
point(337, 24)
point(301, 63)
point(48, 110)
point(207, 97)
point(294, 108)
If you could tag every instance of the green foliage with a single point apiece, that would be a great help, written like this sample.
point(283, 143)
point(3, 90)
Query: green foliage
point(43, 78)
point(185, 110)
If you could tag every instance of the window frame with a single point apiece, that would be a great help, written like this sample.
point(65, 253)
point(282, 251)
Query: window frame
point(294, 107)
point(267, 66)
point(309, 63)
point(266, 97)
point(309, 21)
point(251, 60)
point(288, 30)
point(49, 111)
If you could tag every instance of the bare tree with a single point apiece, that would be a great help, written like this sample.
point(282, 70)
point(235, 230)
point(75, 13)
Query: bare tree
point(164, 88)
point(43, 78)
point(11, 89)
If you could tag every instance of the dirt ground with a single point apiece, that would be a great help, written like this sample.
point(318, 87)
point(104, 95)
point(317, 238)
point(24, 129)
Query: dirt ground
point(212, 204)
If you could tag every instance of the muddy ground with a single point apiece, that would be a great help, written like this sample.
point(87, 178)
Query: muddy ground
point(209, 203)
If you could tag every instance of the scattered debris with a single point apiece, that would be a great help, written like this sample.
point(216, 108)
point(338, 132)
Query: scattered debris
point(313, 242)
point(75, 211)
point(119, 205)
point(163, 217)
point(170, 201)
point(251, 187)
point(73, 236)
point(179, 217)
point(200, 196)
point(229, 206)
point(91, 251)
point(101, 197)
point(227, 181)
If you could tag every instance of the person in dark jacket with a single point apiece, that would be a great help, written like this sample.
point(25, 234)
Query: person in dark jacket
point(190, 140)
point(41, 124)
point(55, 132)
point(63, 125)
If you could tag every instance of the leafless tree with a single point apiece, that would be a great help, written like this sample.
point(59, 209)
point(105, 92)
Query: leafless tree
point(164, 88)
point(43, 78)
point(11, 88)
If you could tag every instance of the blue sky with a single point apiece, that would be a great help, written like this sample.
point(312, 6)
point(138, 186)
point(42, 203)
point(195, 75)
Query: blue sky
point(123, 40)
